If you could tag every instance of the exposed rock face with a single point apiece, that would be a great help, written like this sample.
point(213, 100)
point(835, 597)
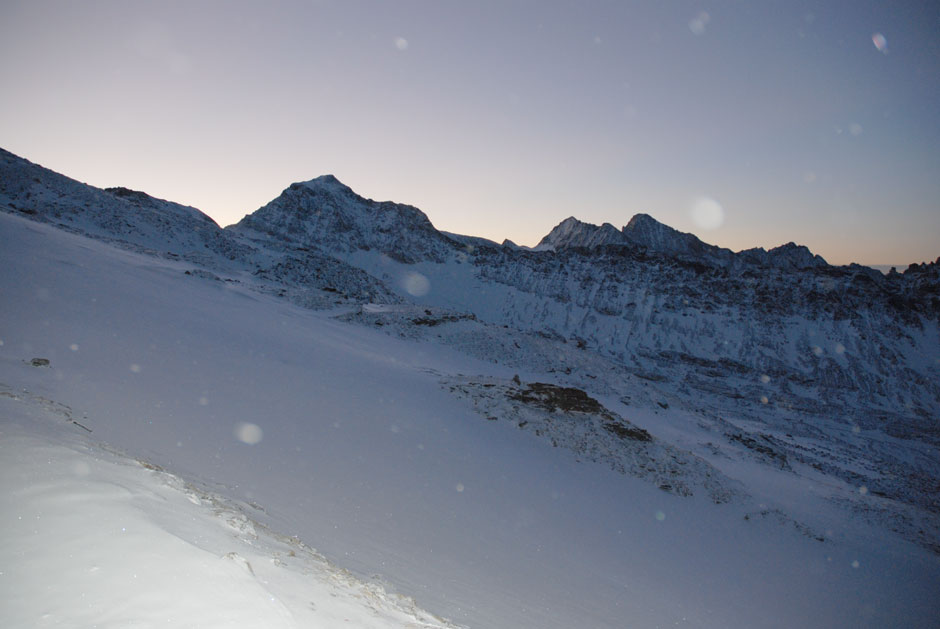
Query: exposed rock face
point(834, 341)
point(569, 418)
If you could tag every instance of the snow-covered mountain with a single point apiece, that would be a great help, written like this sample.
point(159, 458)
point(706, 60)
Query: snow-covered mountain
point(642, 232)
point(645, 233)
point(117, 214)
point(574, 233)
point(799, 347)
point(765, 391)
point(323, 210)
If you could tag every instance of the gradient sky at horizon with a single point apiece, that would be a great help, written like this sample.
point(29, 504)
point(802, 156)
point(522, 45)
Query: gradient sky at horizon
point(813, 122)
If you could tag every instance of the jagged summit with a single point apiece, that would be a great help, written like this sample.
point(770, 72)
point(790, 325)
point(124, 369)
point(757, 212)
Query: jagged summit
point(798, 255)
point(789, 256)
point(326, 214)
point(572, 232)
point(643, 221)
point(644, 231)
point(641, 231)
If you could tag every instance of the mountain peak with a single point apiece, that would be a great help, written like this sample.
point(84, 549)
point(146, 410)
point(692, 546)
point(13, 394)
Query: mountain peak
point(324, 182)
point(643, 231)
point(646, 231)
point(327, 179)
point(641, 220)
point(795, 256)
point(572, 232)
point(327, 214)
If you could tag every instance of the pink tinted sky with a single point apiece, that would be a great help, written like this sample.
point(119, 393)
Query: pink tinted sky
point(795, 121)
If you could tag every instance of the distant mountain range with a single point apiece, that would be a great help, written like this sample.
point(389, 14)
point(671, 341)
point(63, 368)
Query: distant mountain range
point(785, 358)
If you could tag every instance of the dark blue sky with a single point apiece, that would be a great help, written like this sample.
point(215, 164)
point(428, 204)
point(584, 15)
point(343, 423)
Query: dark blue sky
point(747, 123)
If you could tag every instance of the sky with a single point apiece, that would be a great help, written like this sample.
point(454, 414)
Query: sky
point(746, 123)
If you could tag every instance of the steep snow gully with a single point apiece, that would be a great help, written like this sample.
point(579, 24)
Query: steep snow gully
point(332, 415)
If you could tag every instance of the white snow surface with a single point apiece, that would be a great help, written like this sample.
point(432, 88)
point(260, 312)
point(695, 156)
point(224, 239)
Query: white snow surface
point(93, 538)
point(166, 515)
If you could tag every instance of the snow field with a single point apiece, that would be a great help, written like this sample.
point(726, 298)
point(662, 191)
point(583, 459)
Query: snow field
point(95, 539)
point(364, 456)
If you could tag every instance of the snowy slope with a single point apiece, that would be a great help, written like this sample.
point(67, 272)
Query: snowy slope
point(366, 457)
point(598, 434)
point(93, 538)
